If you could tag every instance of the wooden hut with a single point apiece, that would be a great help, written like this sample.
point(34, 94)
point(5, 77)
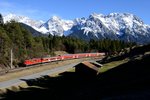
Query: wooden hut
point(87, 69)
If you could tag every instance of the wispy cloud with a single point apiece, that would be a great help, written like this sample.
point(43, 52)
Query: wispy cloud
point(5, 4)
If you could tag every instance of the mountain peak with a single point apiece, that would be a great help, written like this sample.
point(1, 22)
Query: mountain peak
point(15, 17)
point(55, 18)
point(23, 19)
point(57, 26)
point(96, 15)
point(120, 14)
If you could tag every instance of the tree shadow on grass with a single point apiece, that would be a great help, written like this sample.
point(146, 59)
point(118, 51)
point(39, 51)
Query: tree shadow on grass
point(125, 82)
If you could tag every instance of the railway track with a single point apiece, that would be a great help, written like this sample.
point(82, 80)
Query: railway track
point(19, 80)
point(35, 62)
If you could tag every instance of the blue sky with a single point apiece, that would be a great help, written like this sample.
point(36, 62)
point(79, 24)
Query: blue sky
point(70, 9)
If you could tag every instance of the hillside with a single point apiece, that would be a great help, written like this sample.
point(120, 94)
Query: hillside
point(133, 53)
point(126, 81)
point(32, 30)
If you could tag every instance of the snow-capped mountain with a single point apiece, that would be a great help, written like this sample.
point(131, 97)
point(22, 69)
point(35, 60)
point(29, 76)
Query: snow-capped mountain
point(123, 26)
point(56, 26)
point(114, 22)
point(23, 19)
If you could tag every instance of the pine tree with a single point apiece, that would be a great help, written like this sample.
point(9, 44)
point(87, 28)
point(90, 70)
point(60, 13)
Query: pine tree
point(1, 19)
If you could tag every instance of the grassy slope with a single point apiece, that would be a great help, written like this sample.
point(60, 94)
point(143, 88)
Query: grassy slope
point(111, 65)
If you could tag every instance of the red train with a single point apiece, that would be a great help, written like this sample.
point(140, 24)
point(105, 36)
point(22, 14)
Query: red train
point(62, 57)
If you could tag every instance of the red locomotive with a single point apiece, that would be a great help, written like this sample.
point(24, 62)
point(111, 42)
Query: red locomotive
point(62, 57)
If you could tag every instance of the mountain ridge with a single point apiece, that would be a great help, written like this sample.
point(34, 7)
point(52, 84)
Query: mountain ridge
point(122, 26)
